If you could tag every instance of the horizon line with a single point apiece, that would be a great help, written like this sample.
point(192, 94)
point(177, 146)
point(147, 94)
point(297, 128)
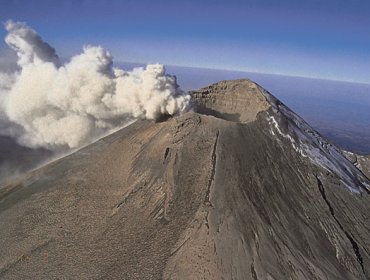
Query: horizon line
point(251, 71)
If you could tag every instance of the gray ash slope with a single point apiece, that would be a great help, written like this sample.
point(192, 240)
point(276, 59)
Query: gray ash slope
point(242, 189)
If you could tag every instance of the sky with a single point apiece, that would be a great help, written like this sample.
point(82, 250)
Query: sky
point(328, 39)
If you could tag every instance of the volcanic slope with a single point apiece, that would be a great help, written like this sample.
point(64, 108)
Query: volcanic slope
point(242, 188)
point(362, 162)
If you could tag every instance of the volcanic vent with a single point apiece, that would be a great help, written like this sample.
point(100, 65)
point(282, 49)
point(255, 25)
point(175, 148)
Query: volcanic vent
point(242, 188)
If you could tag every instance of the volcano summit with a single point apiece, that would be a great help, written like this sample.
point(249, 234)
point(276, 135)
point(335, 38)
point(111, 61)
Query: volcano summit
point(241, 188)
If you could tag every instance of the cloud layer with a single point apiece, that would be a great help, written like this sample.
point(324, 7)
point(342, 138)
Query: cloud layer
point(58, 106)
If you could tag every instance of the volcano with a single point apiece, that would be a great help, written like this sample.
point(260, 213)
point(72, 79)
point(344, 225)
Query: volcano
point(239, 188)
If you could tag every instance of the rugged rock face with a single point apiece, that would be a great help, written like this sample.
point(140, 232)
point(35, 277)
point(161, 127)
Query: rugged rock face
point(220, 194)
point(360, 161)
point(238, 101)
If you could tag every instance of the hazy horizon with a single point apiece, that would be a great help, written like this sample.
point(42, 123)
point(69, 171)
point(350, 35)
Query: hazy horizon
point(327, 40)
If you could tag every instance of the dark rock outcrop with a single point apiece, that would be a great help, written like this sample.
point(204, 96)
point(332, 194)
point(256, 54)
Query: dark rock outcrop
point(362, 162)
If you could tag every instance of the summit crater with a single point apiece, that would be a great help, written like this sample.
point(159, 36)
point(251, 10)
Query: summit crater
point(237, 100)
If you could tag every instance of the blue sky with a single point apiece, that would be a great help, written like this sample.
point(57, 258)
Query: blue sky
point(325, 39)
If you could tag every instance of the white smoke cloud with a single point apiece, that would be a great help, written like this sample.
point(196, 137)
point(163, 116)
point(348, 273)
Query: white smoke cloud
point(56, 106)
point(28, 44)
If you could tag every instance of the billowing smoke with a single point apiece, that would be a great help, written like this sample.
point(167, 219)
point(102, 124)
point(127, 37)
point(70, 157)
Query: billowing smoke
point(55, 105)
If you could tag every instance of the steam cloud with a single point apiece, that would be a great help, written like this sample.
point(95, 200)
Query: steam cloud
point(55, 106)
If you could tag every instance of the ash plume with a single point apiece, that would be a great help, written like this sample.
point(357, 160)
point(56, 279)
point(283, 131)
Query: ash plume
point(57, 106)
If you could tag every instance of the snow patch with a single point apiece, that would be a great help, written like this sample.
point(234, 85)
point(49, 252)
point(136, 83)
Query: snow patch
point(275, 125)
point(309, 143)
